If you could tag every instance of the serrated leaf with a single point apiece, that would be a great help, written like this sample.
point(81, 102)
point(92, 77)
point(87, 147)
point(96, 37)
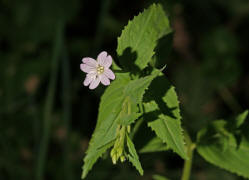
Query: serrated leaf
point(162, 107)
point(121, 97)
point(132, 156)
point(136, 88)
point(93, 155)
point(139, 38)
point(112, 98)
point(234, 158)
point(154, 145)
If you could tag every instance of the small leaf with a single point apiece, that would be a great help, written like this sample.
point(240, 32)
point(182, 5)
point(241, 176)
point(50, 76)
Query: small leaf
point(139, 38)
point(133, 157)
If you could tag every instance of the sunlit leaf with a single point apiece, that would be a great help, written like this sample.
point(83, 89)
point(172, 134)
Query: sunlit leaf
point(133, 157)
point(120, 98)
point(139, 38)
point(166, 122)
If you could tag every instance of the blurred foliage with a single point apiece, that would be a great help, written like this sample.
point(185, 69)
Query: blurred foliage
point(208, 65)
point(223, 144)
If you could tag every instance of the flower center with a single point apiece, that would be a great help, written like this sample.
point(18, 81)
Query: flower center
point(100, 69)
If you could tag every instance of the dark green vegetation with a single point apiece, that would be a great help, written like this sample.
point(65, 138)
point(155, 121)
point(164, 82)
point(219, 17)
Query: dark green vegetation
point(47, 117)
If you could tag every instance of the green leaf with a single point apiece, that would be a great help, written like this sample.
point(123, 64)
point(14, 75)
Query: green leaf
point(162, 108)
point(133, 157)
point(129, 119)
point(154, 145)
point(111, 99)
point(234, 157)
point(139, 38)
point(120, 98)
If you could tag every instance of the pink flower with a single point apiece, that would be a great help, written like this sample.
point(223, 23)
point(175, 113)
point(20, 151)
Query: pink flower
point(97, 71)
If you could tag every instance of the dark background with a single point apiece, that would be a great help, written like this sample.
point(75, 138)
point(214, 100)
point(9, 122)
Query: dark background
point(47, 116)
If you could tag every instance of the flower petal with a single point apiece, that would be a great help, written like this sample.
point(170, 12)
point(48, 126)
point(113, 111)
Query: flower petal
point(102, 59)
point(86, 68)
point(90, 61)
point(88, 80)
point(108, 62)
point(94, 83)
point(108, 73)
point(104, 80)
point(102, 56)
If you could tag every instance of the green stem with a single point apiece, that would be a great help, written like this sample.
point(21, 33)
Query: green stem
point(42, 154)
point(188, 162)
